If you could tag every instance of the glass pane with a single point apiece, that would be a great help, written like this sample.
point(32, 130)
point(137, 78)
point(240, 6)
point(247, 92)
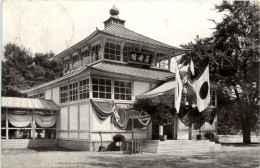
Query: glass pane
point(112, 57)
point(108, 82)
point(122, 96)
point(95, 81)
point(95, 87)
point(122, 84)
point(101, 95)
point(117, 52)
point(112, 51)
point(108, 95)
point(108, 89)
point(116, 96)
point(116, 83)
point(125, 59)
point(116, 90)
point(122, 90)
point(128, 97)
point(128, 84)
point(112, 45)
point(106, 56)
point(102, 88)
point(128, 91)
point(102, 81)
point(118, 58)
point(95, 94)
point(118, 47)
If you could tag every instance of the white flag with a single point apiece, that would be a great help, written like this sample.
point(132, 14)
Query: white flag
point(192, 67)
point(178, 90)
point(202, 89)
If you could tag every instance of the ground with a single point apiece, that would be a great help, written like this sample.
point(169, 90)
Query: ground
point(230, 156)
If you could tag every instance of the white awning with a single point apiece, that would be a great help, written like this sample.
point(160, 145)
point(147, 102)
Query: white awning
point(28, 103)
point(166, 88)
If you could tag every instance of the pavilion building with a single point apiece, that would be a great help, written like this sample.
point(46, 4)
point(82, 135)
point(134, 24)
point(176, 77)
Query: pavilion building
point(110, 68)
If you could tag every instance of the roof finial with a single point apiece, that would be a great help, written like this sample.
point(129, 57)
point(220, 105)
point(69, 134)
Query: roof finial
point(114, 11)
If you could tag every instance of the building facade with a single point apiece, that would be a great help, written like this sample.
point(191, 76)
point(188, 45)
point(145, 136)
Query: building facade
point(110, 68)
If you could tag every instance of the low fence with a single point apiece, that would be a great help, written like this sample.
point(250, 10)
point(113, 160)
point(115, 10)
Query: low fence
point(133, 146)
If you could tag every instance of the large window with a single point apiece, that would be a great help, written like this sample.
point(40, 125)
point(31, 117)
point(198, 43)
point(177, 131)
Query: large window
point(126, 52)
point(213, 98)
point(64, 94)
point(84, 89)
point(73, 91)
point(112, 51)
point(66, 65)
point(101, 88)
point(96, 52)
point(86, 57)
point(76, 62)
point(122, 90)
point(163, 63)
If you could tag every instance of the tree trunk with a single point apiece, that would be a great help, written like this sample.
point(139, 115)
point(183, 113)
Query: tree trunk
point(246, 123)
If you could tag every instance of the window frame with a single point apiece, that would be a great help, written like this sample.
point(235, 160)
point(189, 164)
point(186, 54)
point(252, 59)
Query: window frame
point(73, 91)
point(83, 92)
point(109, 47)
point(98, 86)
point(122, 96)
point(213, 100)
point(64, 94)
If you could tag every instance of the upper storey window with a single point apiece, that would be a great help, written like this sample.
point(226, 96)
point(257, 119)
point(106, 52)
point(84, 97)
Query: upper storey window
point(86, 57)
point(66, 65)
point(76, 62)
point(96, 54)
point(112, 51)
point(126, 52)
point(162, 61)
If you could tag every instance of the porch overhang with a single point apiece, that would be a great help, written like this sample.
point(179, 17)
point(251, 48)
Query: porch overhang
point(166, 88)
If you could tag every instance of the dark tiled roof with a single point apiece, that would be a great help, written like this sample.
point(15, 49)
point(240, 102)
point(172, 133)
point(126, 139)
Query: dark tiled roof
point(120, 31)
point(125, 69)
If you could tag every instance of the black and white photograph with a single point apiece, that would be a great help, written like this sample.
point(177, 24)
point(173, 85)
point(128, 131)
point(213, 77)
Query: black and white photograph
point(130, 84)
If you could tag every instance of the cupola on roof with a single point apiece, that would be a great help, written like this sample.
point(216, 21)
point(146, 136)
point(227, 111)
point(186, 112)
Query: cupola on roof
point(114, 11)
point(114, 19)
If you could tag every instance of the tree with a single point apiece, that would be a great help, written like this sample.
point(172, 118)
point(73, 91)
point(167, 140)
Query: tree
point(21, 69)
point(233, 54)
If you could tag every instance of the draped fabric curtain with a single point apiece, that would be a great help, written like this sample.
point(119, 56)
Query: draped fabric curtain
point(103, 109)
point(45, 121)
point(118, 114)
point(20, 120)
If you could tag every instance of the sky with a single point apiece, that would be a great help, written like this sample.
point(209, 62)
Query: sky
point(44, 26)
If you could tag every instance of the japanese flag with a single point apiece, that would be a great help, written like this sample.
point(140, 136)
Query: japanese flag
point(178, 90)
point(202, 89)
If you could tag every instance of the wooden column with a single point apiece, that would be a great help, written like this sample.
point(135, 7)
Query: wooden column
point(122, 51)
point(154, 57)
point(6, 123)
point(169, 61)
point(190, 133)
point(140, 47)
point(160, 130)
point(90, 53)
point(57, 124)
point(175, 126)
point(150, 130)
point(102, 42)
point(33, 124)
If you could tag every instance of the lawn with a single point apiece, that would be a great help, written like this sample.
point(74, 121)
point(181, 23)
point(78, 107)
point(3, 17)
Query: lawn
point(230, 156)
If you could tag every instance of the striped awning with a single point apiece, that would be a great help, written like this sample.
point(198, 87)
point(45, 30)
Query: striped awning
point(28, 103)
